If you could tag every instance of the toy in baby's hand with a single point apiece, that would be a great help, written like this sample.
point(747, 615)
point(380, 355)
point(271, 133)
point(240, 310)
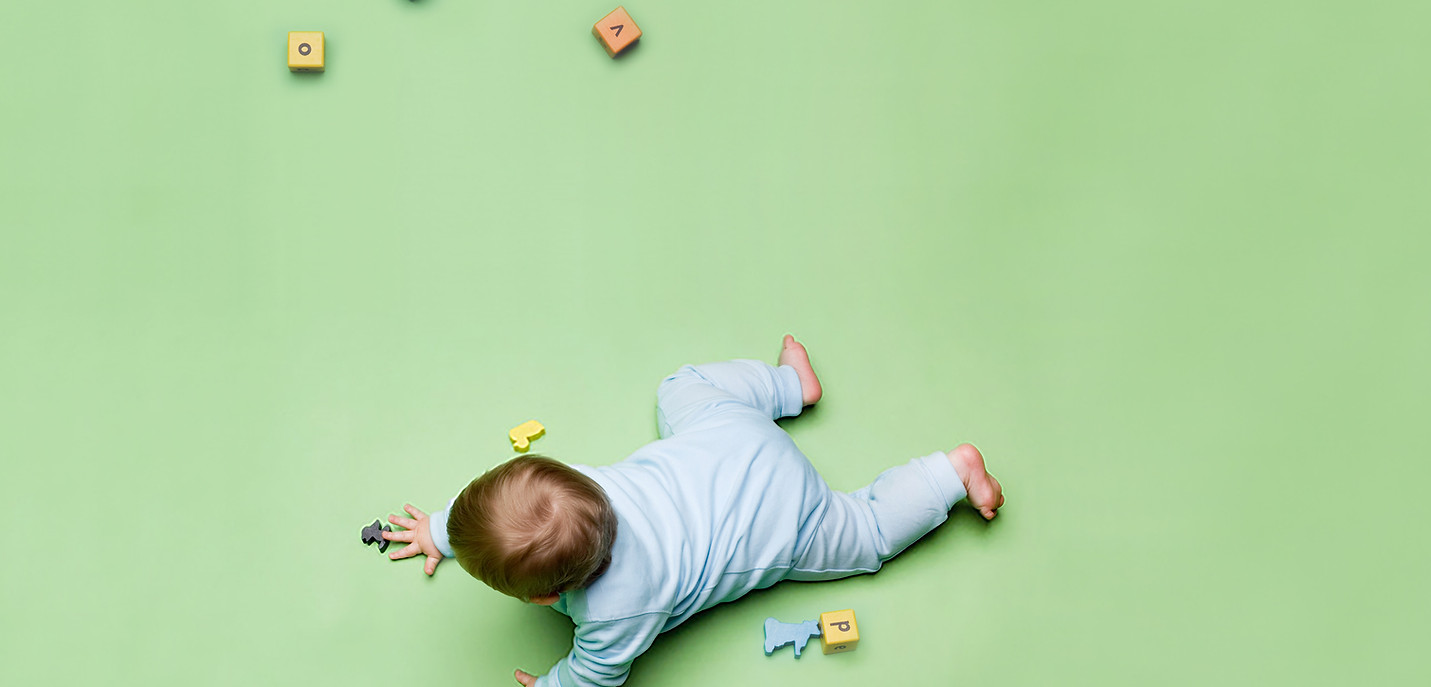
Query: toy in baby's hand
point(374, 533)
point(778, 634)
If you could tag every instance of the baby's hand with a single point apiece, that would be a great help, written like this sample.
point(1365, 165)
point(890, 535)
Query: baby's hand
point(418, 537)
point(525, 678)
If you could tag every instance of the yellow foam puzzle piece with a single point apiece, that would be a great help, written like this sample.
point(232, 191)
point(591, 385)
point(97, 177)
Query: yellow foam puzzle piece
point(523, 434)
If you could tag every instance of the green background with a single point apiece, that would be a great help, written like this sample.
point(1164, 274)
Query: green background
point(1165, 263)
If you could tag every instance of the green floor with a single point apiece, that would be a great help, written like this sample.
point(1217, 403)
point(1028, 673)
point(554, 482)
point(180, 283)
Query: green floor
point(1164, 263)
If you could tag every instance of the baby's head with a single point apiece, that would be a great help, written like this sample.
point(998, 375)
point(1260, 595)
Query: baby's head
point(533, 528)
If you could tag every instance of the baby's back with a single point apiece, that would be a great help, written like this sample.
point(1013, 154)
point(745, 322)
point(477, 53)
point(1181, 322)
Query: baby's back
point(717, 508)
point(705, 517)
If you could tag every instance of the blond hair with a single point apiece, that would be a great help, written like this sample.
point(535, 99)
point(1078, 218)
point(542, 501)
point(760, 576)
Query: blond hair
point(531, 527)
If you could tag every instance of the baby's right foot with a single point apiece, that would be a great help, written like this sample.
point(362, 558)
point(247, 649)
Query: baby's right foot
point(793, 353)
point(985, 494)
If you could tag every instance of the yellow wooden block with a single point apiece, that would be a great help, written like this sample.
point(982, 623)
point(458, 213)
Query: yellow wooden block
point(523, 434)
point(305, 51)
point(838, 631)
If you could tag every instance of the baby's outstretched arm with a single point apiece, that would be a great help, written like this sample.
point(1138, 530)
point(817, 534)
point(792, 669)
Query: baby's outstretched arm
point(601, 653)
point(417, 535)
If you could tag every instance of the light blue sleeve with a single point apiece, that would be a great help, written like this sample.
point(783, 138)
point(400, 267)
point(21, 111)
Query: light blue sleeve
point(437, 527)
point(697, 394)
point(602, 653)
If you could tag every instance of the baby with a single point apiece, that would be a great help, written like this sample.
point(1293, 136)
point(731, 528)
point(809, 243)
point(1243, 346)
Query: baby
point(723, 504)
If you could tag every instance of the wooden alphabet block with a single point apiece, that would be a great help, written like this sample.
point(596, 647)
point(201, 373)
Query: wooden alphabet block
point(617, 31)
point(305, 51)
point(838, 631)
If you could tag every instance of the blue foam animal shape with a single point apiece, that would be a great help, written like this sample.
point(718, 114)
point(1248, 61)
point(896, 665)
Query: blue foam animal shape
point(778, 634)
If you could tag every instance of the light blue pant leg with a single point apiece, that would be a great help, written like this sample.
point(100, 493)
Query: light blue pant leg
point(862, 530)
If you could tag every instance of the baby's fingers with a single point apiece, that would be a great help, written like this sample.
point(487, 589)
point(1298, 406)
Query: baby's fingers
point(414, 512)
point(406, 552)
point(431, 566)
point(400, 521)
point(399, 536)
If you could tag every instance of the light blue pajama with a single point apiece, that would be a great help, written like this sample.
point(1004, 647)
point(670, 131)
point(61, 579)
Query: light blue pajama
point(724, 504)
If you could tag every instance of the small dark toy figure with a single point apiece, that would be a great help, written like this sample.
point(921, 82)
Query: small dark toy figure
point(374, 533)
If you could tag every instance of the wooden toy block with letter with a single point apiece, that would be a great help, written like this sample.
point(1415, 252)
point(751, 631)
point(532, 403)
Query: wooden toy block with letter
point(617, 31)
point(305, 51)
point(838, 631)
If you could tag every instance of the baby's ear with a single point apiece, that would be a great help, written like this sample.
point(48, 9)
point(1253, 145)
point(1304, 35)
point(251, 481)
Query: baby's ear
point(546, 600)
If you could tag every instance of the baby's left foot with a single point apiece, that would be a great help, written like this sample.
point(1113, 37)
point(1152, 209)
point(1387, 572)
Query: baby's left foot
point(793, 353)
point(986, 495)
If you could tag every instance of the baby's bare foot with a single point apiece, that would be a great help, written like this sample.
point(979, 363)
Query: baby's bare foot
point(793, 353)
point(985, 494)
